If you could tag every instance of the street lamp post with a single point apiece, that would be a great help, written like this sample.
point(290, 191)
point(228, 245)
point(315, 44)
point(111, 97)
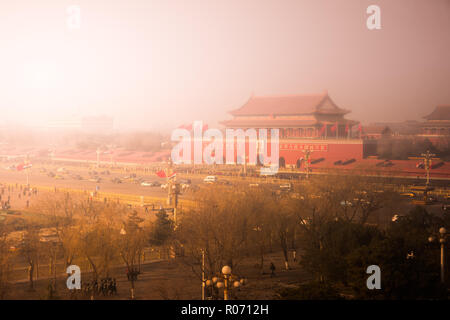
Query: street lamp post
point(442, 236)
point(226, 271)
point(427, 157)
point(227, 278)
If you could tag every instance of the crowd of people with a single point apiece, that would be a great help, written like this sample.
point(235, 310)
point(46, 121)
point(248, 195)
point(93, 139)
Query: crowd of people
point(106, 287)
point(24, 193)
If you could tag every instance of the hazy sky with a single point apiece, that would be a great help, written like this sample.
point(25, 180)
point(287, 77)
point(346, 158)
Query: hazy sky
point(159, 63)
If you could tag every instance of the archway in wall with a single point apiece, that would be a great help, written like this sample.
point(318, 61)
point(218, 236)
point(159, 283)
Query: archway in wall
point(298, 165)
point(282, 162)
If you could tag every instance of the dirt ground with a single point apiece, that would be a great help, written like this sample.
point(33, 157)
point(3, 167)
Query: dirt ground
point(174, 279)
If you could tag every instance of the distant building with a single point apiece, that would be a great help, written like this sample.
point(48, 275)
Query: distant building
point(437, 123)
point(436, 128)
point(405, 128)
point(375, 132)
point(309, 121)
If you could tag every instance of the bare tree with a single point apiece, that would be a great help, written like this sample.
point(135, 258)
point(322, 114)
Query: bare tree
point(131, 245)
point(6, 264)
point(30, 250)
point(220, 226)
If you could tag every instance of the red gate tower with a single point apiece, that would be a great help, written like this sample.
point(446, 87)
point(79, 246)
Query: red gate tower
point(308, 121)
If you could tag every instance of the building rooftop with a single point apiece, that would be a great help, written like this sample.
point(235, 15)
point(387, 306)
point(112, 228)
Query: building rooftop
point(375, 129)
point(440, 113)
point(289, 105)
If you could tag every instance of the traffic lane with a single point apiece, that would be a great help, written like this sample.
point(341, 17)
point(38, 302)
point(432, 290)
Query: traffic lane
point(37, 179)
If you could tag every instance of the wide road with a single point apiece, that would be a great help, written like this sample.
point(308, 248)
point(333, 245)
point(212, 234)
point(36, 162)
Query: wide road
point(38, 178)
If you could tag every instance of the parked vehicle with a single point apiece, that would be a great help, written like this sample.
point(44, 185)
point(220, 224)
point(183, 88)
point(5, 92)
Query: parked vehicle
point(408, 194)
point(210, 179)
point(286, 187)
point(150, 184)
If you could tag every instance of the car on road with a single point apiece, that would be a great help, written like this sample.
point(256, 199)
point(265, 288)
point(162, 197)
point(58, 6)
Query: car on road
point(397, 217)
point(96, 179)
point(59, 177)
point(210, 179)
point(150, 184)
point(116, 180)
point(184, 187)
point(297, 196)
point(408, 194)
point(286, 187)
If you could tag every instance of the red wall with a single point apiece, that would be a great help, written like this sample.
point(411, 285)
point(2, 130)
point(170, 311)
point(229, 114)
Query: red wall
point(336, 151)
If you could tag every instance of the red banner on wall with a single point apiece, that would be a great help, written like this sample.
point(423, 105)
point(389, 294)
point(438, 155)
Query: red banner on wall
point(303, 146)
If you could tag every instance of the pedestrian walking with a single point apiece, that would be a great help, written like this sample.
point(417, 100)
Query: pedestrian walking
point(272, 270)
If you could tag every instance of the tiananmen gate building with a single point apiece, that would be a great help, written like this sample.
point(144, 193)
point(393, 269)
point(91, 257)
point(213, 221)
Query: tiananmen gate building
point(306, 122)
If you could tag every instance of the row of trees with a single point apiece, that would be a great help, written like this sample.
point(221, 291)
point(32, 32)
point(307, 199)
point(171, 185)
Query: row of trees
point(231, 224)
point(339, 225)
point(335, 227)
point(402, 148)
point(94, 235)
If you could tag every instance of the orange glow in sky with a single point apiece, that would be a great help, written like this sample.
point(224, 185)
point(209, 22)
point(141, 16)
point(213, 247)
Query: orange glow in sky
point(151, 64)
